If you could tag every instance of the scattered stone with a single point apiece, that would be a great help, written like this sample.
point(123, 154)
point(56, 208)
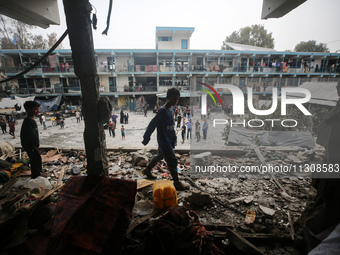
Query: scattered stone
point(127, 165)
point(199, 198)
point(204, 158)
point(236, 200)
point(128, 159)
point(248, 199)
point(75, 170)
point(267, 211)
point(294, 159)
point(139, 159)
point(242, 177)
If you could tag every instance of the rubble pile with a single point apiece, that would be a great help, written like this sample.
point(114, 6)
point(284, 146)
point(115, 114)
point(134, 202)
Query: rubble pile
point(259, 207)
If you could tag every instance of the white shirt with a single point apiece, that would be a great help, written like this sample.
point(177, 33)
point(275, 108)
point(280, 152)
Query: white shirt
point(43, 118)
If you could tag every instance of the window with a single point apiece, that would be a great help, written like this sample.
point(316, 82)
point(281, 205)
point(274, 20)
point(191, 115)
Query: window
point(225, 80)
point(74, 82)
point(165, 81)
point(184, 44)
point(111, 63)
point(112, 84)
point(22, 83)
point(164, 38)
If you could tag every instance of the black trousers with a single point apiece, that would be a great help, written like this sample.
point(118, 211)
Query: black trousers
point(35, 161)
point(3, 128)
point(170, 159)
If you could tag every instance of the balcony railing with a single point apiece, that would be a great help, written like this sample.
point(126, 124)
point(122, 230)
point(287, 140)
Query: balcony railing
point(185, 68)
point(23, 91)
point(141, 88)
point(145, 68)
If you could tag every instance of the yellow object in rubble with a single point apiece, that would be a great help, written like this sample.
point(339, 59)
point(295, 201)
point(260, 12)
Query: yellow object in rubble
point(164, 194)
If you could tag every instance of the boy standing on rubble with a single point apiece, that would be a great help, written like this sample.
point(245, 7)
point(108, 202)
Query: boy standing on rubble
point(166, 138)
point(29, 137)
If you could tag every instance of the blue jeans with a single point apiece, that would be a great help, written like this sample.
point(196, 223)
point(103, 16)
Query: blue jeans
point(189, 131)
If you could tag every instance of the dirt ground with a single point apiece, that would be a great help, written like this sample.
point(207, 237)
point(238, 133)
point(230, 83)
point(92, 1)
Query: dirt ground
point(72, 135)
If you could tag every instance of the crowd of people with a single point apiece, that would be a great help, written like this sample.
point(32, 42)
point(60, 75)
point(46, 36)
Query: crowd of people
point(183, 116)
point(11, 125)
point(112, 125)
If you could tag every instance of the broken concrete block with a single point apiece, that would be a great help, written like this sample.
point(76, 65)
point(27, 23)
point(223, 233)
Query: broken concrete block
point(267, 211)
point(128, 159)
point(294, 159)
point(236, 200)
point(203, 158)
point(248, 199)
point(127, 165)
point(199, 198)
point(139, 159)
point(75, 170)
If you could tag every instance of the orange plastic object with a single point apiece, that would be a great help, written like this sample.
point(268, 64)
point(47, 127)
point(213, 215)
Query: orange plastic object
point(164, 194)
point(250, 217)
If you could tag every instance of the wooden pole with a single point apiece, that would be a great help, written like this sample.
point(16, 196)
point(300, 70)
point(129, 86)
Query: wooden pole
point(78, 21)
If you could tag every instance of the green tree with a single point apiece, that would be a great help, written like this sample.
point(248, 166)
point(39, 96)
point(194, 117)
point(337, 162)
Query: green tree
point(10, 28)
point(255, 35)
point(311, 46)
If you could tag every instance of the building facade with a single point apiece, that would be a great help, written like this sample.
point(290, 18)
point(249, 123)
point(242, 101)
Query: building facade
point(127, 74)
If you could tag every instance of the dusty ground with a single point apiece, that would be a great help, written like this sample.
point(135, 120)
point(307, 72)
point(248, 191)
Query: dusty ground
point(72, 135)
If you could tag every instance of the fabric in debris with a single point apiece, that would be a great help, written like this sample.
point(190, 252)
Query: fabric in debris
point(4, 176)
point(49, 105)
point(4, 164)
point(90, 216)
point(330, 245)
point(53, 60)
point(19, 166)
point(178, 231)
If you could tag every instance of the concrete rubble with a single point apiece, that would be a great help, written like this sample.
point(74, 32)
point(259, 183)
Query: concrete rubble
point(218, 200)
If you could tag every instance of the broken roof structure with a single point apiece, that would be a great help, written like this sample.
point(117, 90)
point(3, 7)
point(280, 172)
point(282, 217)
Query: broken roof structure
point(324, 93)
point(244, 47)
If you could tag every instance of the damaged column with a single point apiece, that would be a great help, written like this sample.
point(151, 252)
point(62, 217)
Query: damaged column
point(96, 110)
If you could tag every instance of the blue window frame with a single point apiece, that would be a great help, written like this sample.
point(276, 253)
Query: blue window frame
point(184, 44)
point(164, 38)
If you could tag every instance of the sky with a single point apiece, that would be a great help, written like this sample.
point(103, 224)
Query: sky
point(133, 22)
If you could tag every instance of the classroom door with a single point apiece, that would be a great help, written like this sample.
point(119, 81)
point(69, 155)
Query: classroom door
point(132, 104)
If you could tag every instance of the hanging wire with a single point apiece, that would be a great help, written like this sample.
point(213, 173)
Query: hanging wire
point(108, 19)
point(94, 18)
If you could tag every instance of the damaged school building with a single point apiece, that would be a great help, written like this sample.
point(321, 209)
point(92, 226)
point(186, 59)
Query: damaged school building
point(71, 211)
point(126, 75)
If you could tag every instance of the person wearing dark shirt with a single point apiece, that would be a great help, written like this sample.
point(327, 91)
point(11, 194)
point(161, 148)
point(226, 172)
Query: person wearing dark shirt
point(121, 116)
point(29, 137)
point(166, 138)
point(184, 128)
point(11, 125)
point(179, 118)
point(58, 116)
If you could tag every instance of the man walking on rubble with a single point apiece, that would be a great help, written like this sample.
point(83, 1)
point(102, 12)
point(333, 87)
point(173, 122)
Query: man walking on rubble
point(166, 138)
